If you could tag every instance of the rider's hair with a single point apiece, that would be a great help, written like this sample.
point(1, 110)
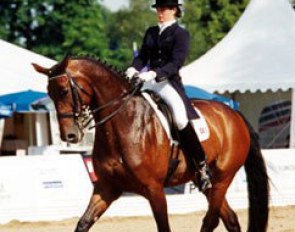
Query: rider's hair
point(178, 13)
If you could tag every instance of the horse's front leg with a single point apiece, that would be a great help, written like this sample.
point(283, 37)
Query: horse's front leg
point(157, 200)
point(101, 199)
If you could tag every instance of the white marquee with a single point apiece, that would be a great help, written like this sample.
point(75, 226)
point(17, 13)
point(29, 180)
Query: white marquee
point(17, 73)
point(258, 54)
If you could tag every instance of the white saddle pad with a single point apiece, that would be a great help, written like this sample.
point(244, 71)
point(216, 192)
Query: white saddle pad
point(200, 125)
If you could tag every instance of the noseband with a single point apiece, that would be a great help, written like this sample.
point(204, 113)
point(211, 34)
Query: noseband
point(82, 117)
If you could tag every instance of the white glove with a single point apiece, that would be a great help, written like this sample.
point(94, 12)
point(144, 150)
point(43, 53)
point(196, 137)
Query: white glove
point(147, 76)
point(131, 72)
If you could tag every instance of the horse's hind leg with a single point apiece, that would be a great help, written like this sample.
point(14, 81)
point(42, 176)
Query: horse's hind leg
point(215, 197)
point(229, 218)
point(101, 199)
point(157, 199)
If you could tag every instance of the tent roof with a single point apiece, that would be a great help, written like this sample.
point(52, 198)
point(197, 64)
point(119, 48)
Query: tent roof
point(17, 73)
point(257, 54)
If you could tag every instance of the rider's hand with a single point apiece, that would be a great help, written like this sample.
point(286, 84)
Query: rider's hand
point(131, 72)
point(147, 76)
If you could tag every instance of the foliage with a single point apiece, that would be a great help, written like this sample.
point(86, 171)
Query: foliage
point(126, 27)
point(55, 27)
point(209, 21)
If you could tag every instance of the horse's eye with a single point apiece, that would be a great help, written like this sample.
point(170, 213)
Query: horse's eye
point(64, 92)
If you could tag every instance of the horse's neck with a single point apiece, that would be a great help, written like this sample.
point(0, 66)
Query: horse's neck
point(126, 127)
point(111, 91)
point(108, 85)
point(128, 123)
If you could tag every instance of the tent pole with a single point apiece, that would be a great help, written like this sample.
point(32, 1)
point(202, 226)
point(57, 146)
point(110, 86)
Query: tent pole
point(292, 120)
point(41, 129)
point(2, 123)
point(31, 132)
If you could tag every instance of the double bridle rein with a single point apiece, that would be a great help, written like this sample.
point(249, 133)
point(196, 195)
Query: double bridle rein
point(83, 115)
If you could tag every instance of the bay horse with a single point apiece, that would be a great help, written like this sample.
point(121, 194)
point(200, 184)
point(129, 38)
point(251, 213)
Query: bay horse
point(131, 149)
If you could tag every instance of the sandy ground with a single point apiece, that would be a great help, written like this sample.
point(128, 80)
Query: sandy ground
point(282, 219)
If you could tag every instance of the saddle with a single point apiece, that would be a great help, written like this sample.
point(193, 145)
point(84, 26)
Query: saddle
point(165, 116)
point(164, 108)
point(174, 152)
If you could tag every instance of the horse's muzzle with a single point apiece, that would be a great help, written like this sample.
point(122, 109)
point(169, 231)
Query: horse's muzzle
point(72, 136)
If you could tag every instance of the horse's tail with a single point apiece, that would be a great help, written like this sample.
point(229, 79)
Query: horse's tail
point(258, 185)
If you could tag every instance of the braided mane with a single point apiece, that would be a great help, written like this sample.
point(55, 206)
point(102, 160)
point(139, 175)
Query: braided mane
point(100, 62)
point(59, 68)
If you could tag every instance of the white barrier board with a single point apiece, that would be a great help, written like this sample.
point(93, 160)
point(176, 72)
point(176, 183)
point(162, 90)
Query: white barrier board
point(56, 187)
point(36, 188)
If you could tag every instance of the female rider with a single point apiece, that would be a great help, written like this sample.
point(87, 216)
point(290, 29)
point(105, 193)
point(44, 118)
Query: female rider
point(163, 52)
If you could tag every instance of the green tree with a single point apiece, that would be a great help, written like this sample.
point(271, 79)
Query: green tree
point(126, 27)
point(209, 21)
point(54, 27)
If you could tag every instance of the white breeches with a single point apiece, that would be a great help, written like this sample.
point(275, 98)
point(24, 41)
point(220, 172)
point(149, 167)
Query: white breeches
point(173, 100)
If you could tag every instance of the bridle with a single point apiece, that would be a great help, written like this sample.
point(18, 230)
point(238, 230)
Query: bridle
point(83, 116)
point(79, 114)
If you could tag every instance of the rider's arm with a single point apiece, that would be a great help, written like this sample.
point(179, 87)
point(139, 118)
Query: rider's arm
point(141, 60)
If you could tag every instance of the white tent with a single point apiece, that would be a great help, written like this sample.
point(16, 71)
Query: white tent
point(17, 73)
point(257, 56)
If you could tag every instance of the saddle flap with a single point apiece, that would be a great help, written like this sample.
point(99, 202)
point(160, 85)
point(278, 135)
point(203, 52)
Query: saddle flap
point(165, 116)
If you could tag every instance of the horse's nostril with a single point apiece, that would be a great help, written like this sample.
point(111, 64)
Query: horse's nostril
point(71, 137)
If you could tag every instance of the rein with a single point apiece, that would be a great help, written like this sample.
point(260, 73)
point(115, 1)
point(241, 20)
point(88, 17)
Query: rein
point(126, 97)
point(80, 116)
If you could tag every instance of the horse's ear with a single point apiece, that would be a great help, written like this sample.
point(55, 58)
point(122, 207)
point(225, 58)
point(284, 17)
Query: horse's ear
point(41, 69)
point(64, 62)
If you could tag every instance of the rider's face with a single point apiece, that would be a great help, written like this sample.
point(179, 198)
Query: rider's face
point(166, 14)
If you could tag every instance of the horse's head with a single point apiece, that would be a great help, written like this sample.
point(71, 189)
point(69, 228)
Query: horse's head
point(71, 93)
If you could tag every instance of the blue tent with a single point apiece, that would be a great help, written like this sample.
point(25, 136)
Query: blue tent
point(22, 101)
point(194, 92)
point(19, 102)
point(5, 111)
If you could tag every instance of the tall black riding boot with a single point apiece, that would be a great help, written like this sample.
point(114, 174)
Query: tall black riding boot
point(193, 149)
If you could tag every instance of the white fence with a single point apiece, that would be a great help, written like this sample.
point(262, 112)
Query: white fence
point(55, 187)
point(36, 188)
